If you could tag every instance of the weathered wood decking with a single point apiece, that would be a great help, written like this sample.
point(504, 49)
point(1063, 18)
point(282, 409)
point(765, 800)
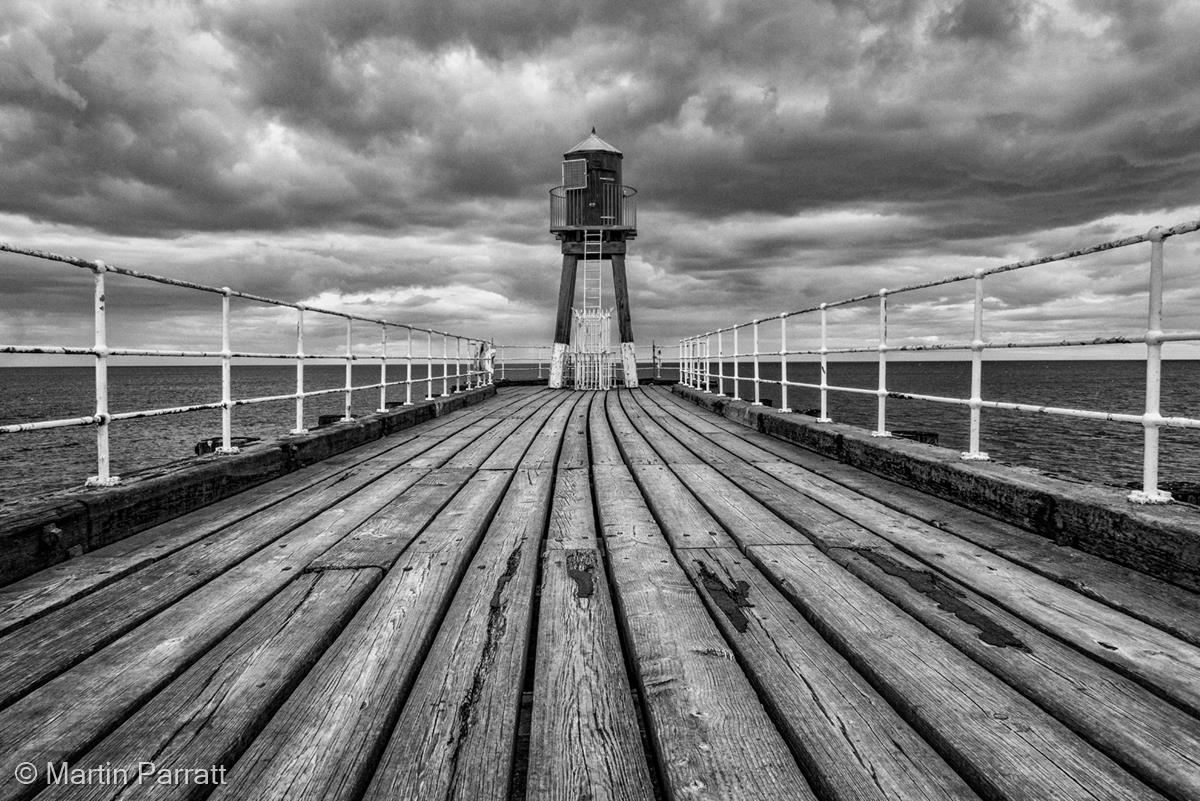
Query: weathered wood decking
point(574, 596)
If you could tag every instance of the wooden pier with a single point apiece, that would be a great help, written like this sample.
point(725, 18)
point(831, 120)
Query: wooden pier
point(570, 595)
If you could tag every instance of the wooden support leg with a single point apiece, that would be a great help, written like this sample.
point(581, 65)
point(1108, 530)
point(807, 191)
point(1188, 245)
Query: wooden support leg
point(624, 323)
point(562, 324)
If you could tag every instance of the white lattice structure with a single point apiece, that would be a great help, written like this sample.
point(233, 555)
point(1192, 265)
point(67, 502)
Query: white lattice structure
point(591, 354)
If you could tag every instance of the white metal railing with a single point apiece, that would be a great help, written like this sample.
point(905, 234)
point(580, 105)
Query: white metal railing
point(696, 354)
point(467, 357)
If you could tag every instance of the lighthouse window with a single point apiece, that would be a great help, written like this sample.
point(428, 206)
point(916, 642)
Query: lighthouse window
point(574, 174)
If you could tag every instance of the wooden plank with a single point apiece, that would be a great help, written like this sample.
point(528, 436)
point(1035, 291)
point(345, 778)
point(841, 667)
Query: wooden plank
point(381, 539)
point(34, 653)
point(1161, 604)
point(476, 453)
point(510, 453)
point(1156, 658)
point(685, 521)
point(752, 522)
point(626, 521)
point(1131, 725)
point(795, 508)
point(605, 452)
point(668, 449)
point(323, 742)
point(994, 737)
point(72, 710)
point(852, 743)
point(59, 585)
point(447, 448)
point(634, 448)
point(712, 737)
point(1162, 661)
point(543, 450)
point(456, 527)
point(665, 401)
point(682, 664)
point(574, 452)
point(1153, 739)
point(572, 519)
point(49, 645)
point(208, 715)
point(584, 739)
point(456, 734)
point(701, 444)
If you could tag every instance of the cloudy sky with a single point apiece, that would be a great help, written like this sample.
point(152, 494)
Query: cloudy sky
point(393, 157)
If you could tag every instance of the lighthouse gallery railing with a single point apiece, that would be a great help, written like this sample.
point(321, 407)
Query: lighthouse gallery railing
point(457, 352)
point(617, 207)
point(698, 352)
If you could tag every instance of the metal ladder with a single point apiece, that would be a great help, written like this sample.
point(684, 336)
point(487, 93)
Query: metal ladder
point(593, 249)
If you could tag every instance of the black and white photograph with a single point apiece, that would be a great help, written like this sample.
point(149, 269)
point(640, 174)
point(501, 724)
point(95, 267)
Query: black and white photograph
point(548, 400)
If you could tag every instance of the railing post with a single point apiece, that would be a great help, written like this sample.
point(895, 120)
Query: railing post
point(736, 373)
point(474, 360)
point(783, 376)
point(429, 365)
point(824, 418)
point(445, 365)
point(300, 429)
point(226, 378)
point(1150, 493)
point(976, 402)
point(383, 366)
point(458, 363)
point(408, 371)
point(688, 380)
point(881, 393)
point(103, 477)
point(695, 351)
point(685, 361)
point(349, 368)
point(757, 394)
point(720, 364)
point(708, 363)
point(500, 353)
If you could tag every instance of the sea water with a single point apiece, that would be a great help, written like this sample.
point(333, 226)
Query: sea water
point(1084, 450)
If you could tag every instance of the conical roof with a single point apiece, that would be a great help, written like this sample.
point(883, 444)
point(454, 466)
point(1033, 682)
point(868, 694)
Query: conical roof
point(594, 142)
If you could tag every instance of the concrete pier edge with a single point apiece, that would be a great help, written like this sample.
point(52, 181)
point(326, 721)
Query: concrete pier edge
point(53, 528)
point(1161, 540)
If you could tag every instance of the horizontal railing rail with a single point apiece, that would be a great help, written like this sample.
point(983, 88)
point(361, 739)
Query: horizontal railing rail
point(467, 361)
point(697, 353)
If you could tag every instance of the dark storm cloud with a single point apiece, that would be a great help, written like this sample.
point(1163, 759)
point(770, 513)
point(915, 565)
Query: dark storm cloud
point(350, 150)
point(983, 20)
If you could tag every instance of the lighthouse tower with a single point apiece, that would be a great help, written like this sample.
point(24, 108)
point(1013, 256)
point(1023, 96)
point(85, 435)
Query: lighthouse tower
point(593, 214)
